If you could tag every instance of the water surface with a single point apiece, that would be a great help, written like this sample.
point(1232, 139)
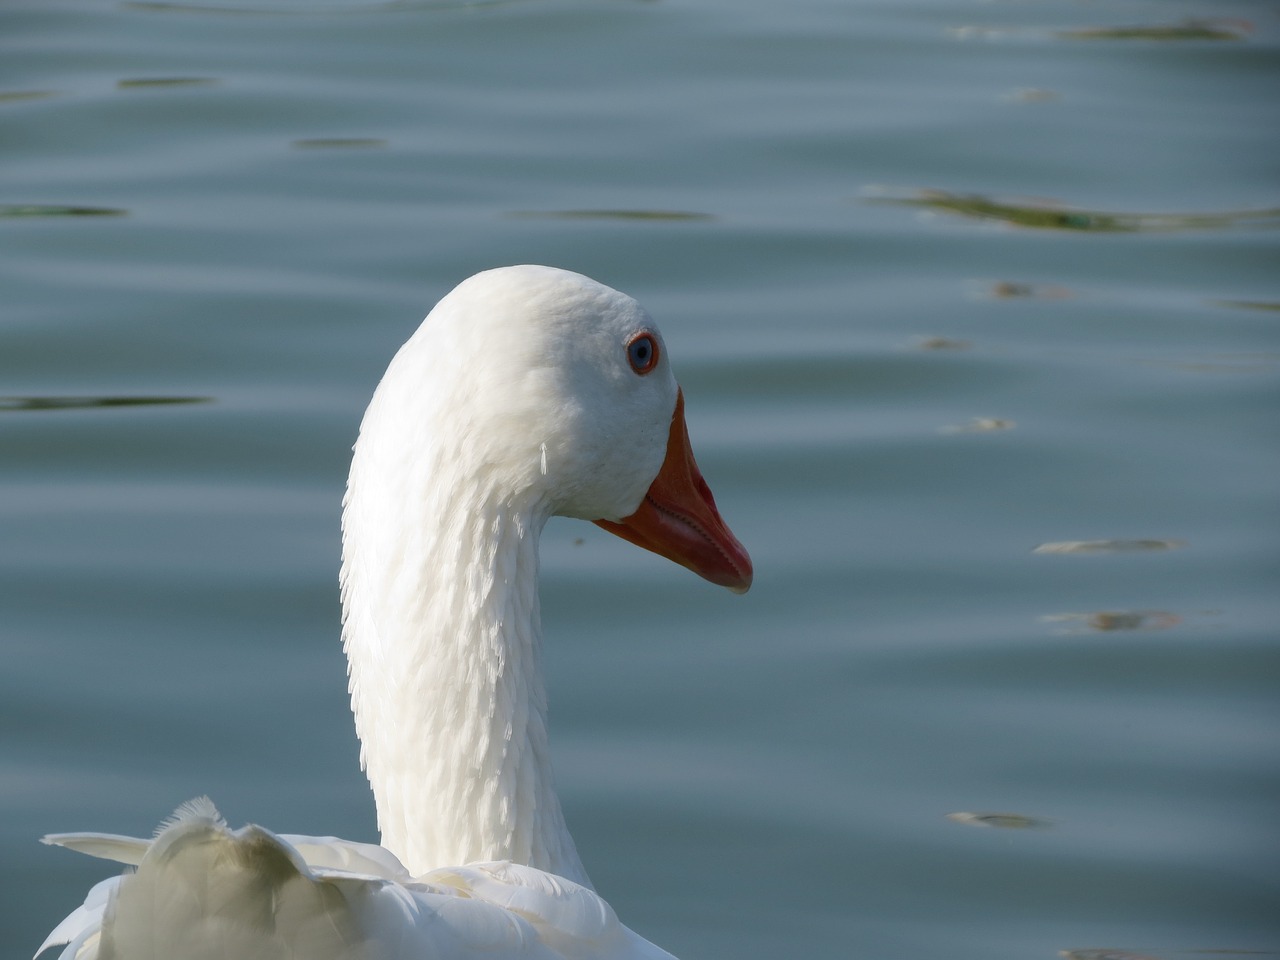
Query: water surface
point(974, 306)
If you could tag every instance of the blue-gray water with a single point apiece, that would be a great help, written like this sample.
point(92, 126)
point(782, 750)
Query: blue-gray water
point(944, 282)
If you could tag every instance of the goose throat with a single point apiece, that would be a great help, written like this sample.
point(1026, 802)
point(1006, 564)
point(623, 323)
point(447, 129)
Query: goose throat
point(446, 681)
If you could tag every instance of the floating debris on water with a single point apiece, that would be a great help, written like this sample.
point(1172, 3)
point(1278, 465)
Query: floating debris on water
point(1111, 620)
point(55, 210)
point(942, 343)
point(19, 404)
point(307, 9)
point(340, 143)
point(1005, 290)
point(1109, 546)
point(1104, 955)
point(1011, 290)
point(610, 215)
point(143, 82)
point(167, 6)
point(1216, 29)
point(1004, 821)
point(1249, 304)
point(16, 96)
point(1046, 215)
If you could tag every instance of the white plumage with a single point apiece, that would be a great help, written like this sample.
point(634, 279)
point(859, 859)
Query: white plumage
point(527, 392)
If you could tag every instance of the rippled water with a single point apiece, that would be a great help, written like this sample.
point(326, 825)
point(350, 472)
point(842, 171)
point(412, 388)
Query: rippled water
point(975, 308)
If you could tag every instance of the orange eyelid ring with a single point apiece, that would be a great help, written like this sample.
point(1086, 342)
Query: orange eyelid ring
point(642, 352)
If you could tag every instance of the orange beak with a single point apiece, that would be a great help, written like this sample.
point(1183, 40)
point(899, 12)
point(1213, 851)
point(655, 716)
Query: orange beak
point(678, 518)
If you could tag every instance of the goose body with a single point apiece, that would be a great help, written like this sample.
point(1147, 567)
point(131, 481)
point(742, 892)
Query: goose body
point(527, 392)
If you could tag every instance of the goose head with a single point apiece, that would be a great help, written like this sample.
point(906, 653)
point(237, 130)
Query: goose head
point(558, 394)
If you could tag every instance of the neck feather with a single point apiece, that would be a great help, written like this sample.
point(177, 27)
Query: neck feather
point(442, 634)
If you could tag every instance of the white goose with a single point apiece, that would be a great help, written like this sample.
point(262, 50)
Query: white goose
point(527, 392)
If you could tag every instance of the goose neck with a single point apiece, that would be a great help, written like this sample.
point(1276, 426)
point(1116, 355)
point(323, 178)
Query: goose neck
point(446, 681)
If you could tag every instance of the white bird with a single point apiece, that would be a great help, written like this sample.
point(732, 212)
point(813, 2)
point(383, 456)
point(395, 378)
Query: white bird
point(527, 392)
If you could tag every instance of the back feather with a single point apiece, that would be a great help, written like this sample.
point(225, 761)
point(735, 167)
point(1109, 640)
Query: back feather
point(202, 891)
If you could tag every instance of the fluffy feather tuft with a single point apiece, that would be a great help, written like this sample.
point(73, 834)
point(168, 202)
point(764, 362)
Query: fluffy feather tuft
point(195, 809)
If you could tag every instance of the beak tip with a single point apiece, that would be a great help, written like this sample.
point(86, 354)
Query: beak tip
point(739, 581)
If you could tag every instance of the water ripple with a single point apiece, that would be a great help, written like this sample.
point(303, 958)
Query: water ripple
point(30, 404)
point(135, 83)
point(1191, 29)
point(1045, 215)
point(1004, 821)
point(610, 215)
point(16, 210)
point(20, 96)
point(340, 143)
point(342, 8)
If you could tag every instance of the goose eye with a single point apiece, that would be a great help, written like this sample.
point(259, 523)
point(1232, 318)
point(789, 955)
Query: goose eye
point(642, 353)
